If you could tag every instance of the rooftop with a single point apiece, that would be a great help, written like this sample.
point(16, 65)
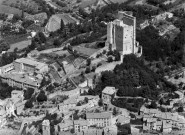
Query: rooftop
point(102, 115)
point(109, 90)
point(65, 123)
point(31, 62)
point(22, 78)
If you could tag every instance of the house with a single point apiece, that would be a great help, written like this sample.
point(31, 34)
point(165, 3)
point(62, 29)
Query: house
point(149, 124)
point(107, 94)
point(20, 80)
point(102, 119)
point(65, 125)
point(80, 125)
point(29, 65)
point(19, 107)
point(6, 69)
point(166, 126)
point(122, 119)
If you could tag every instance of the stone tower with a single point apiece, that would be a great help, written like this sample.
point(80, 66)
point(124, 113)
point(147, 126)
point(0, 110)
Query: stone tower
point(46, 127)
point(121, 34)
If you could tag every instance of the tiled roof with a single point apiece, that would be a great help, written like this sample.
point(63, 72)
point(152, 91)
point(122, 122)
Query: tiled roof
point(102, 115)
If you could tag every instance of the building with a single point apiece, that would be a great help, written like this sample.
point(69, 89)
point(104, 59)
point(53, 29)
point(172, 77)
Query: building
point(121, 34)
point(21, 80)
point(65, 125)
point(81, 125)
point(107, 94)
point(102, 119)
point(29, 65)
point(46, 127)
point(6, 69)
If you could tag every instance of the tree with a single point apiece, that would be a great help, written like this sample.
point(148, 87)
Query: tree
point(62, 25)
point(180, 109)
point(110, 59)
point(41, 97)
point(114, 111)
point(59, 69)
point(93, 69)
point(100, 102)
point(56, 42)
point(88, 70)
point(42, 37)
point(29, 104)
point(28, 93)
point(153, 105)
point(86, 99)
point(88, 62)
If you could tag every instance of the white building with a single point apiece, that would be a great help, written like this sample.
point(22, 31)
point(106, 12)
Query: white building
point(101, 119)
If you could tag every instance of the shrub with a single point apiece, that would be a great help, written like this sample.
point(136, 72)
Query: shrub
point(88, 70)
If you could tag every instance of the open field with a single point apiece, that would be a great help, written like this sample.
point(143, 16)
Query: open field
point(19, 45)
point(9, 10)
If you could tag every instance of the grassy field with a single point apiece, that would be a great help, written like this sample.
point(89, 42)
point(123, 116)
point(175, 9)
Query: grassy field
point(9, 10)
point(19, 45)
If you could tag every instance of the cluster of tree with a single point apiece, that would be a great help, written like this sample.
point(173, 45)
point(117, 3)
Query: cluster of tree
point(123, 129)
point(3, 16)
point(29, 103)
point(156, 47)
point(7, 58)
point(60, 99)
point(60, 3)
point(6, 90)
point(156, 2)
point(133, 78)
point(4, 46)
point(41, 97)
point(45, 82)
point(27, 23)
point(44, 7)
point(28, 93)
point(131, 104)
point(85, 101)
point(54, 120)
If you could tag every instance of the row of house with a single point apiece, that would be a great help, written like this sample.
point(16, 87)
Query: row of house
point(102, 119)
point(155, 120)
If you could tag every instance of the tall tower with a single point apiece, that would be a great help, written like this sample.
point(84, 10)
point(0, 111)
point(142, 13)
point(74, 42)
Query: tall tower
point(121, 34)
point(46, 127)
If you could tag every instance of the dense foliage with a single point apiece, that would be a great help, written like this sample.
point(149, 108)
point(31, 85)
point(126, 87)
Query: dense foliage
point(133, 78)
